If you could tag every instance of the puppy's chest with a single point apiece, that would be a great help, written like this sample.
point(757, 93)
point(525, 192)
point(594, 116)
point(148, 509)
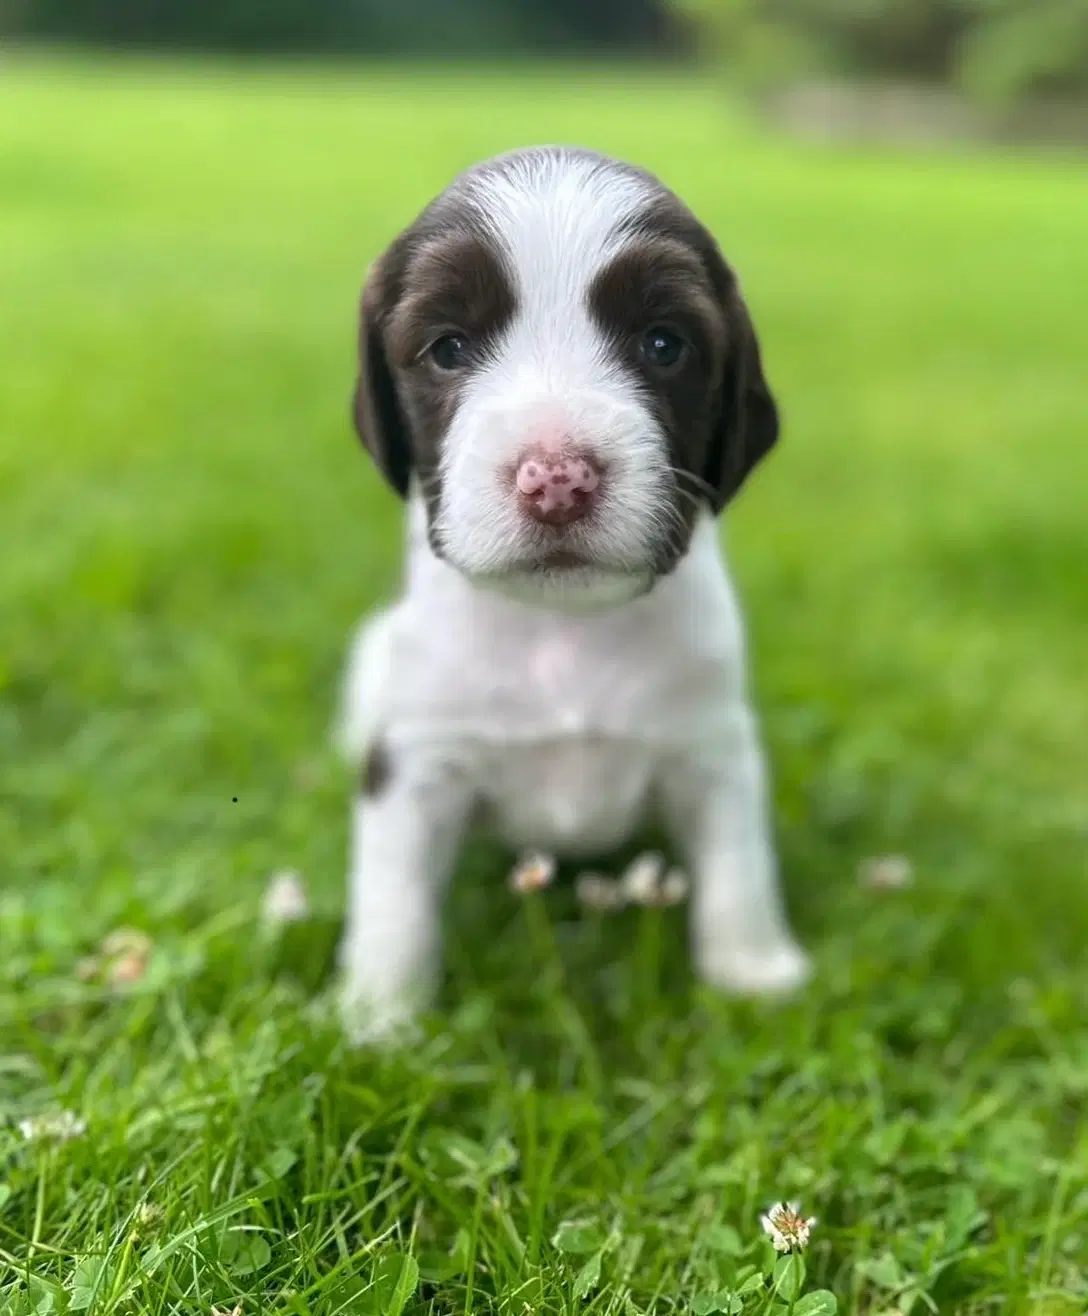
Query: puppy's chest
point(576, 795)
point(563, 724)
point(580, 789)
point(552, 683)
point(576, 692)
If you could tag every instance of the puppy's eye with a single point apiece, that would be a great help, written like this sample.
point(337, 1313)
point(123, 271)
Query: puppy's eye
point(661, 348)
point(450, 352)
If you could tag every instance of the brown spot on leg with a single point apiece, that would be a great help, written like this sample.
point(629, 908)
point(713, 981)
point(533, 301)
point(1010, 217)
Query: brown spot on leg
point(377, 770)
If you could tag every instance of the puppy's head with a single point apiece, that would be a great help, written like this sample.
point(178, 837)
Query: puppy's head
point(557, 357)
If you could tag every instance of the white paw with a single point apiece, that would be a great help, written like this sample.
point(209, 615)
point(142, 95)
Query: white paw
point(779, 971)
point(382, 1020)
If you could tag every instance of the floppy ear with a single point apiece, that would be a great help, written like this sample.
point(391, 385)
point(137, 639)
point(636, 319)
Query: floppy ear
point(379, 417)
point(747, 425)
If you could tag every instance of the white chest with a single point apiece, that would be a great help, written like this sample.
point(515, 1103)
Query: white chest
point(576, 796)
point(576, 789)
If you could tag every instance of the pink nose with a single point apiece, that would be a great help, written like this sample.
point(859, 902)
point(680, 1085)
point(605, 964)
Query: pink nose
point(557, 486)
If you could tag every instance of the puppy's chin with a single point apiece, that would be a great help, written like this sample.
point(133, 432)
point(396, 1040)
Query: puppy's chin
point(575, 589)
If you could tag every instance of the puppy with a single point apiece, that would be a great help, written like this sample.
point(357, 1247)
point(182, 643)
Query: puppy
point(559, 374)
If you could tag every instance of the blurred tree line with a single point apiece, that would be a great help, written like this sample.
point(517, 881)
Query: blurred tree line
point(996, 51)
point(454, 27)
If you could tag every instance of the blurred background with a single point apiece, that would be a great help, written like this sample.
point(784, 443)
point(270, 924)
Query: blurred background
point(995, 54)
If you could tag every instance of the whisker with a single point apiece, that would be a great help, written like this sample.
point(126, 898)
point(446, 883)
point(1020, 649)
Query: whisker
point(693, 499)
point(704, 486)
point(670, 523)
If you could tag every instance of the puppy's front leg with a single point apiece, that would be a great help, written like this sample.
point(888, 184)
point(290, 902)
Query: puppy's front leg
point(405, 833)
point(716, 806)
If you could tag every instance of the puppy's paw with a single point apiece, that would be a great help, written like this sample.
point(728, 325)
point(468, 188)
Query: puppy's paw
point(778, 971)
point(377, 1020)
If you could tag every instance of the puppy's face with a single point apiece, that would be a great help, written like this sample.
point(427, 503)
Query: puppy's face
point(556, 355)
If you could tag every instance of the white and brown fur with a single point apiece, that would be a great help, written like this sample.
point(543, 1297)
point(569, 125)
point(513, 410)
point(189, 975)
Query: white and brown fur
point(562, 695)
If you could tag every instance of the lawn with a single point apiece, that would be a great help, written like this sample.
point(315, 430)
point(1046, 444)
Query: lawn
point(187, 532)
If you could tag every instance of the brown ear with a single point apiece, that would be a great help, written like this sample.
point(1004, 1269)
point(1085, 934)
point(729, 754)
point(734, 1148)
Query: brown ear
point(747, 426)
point(379, 417)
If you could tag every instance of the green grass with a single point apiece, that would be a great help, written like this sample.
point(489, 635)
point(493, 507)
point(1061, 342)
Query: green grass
point(187, 533)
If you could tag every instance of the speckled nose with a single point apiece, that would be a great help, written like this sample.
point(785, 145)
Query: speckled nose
point(557, 485)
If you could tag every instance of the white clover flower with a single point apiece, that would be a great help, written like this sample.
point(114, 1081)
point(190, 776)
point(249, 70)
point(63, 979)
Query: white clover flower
point(674, 888)
point(127, 941)
point(126, 970)
point(787, 1228)
point(146, 1217)
point(641, 879)
point(285, 900)
point(600, 893)
point(53, 1126)
point(120, 961)
point(531, 874)
point(891, 872)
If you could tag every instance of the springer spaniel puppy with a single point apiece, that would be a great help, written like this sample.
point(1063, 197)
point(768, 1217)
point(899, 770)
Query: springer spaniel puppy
point(559, 374)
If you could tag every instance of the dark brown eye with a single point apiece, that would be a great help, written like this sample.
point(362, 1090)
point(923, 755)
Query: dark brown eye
point(661, 347)
point(450, 352)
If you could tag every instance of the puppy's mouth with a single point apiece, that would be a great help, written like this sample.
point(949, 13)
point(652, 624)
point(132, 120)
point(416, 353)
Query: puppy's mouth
point(566, 566)
point(562, 559)
point(566, 578)
point(571, 559)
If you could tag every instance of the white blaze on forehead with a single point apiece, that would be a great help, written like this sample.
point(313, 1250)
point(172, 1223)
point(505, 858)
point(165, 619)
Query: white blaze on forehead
point(558, 218)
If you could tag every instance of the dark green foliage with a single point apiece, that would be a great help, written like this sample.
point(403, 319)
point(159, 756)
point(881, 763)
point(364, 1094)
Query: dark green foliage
point(993, 49)
point(377, 26)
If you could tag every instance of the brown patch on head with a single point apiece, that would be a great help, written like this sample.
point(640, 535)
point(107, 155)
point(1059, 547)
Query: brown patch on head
point(713, 403)
point(453, 281)
point(443, 276)
point(377, 770)
point(659, 281)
